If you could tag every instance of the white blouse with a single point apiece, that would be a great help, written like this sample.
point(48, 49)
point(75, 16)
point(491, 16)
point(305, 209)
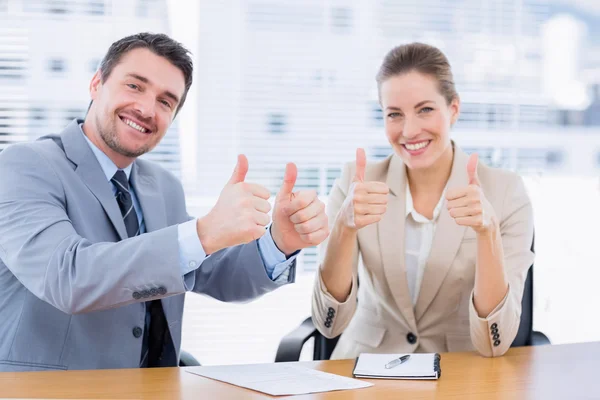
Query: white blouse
point(418, 238)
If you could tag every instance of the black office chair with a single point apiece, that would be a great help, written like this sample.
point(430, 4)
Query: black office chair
point(187, 360)
point(291, 345)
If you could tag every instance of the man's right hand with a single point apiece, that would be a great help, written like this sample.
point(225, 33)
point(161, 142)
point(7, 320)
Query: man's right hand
point(366, 201)
point(240, 215)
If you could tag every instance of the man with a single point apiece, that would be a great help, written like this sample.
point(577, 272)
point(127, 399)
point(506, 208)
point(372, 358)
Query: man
point(96, 246)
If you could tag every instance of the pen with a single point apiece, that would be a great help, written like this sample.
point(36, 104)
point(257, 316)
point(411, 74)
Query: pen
point(397, 361)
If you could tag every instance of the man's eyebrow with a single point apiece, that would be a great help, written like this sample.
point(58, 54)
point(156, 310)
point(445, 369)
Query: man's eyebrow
point(172, 96)
point(139, 77)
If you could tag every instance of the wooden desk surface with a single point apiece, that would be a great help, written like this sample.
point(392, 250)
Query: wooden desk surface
point(545, 372)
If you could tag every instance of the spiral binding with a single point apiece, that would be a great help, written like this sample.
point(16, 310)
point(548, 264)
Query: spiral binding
point(436, 364)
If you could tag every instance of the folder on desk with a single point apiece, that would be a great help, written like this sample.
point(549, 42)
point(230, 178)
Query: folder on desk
point(418, 366)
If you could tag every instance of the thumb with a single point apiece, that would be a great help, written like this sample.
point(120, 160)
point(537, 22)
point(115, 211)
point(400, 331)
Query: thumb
point(472, 169)
point(240, 171)
point(289, 179)
point(361, 163)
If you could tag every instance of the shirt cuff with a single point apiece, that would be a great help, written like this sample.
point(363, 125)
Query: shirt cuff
point(191, 252)
point(274, 260)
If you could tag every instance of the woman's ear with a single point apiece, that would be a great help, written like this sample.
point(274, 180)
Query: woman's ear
point(454, 110)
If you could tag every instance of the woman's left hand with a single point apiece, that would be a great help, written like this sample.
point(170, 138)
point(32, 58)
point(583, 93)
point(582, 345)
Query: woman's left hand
point(468, 205)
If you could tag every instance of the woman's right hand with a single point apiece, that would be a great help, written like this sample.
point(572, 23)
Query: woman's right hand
point(366, 201)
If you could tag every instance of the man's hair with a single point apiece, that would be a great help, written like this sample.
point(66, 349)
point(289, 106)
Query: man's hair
point(158, 43)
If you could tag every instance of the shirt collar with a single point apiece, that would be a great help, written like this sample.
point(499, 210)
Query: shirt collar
point(108, 166)
point(410, 208)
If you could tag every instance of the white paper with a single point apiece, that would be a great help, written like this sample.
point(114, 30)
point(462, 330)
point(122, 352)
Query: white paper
point(279, 378)
point(418, 366)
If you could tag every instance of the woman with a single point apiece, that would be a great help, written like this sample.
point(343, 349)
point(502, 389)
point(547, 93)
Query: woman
point(444, 241)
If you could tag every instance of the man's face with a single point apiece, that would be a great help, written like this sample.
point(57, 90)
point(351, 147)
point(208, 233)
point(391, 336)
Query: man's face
point(134, 107)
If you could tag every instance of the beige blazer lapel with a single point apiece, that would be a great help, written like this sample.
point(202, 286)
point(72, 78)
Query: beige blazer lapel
point(391, 240)
point(446, 241)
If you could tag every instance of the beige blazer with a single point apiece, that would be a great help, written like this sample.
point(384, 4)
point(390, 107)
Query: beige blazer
point(378, 316)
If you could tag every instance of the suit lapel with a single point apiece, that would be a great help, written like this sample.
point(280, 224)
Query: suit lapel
point(150, 198)
point(90, 172)
point(446, 241)
point(391, 240)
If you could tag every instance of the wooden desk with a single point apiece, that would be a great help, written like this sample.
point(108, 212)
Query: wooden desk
point(546, 372)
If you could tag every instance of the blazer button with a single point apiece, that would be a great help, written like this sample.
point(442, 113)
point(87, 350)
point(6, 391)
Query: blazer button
point(411, 338)
point(496, 343)
point(145, 294)
point(330, 314)
point(137, 332)
point(494, 325)
point(328, 324)
point(162, 290)
point(153, 292)
point(494, 331)
point(137, 295)
point(496, 337)
point(331, 310)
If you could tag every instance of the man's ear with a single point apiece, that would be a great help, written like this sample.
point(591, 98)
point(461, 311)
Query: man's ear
point(95, 84)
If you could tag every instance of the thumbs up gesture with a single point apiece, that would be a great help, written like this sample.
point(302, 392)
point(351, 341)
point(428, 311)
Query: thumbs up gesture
point(366, 202)
point(299, 218)
point(468, 205)
point(240, 214)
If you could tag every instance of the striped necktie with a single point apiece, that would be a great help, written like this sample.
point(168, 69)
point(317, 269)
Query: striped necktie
point(125, 202)
point(158, 322)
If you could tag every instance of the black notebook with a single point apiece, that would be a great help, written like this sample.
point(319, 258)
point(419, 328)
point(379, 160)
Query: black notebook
point(417, 366)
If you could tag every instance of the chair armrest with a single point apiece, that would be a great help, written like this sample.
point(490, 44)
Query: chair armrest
point(538, 339)
point(291, 345)
point(187, 360)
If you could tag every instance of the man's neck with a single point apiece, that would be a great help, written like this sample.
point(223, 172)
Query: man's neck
point(93, 135)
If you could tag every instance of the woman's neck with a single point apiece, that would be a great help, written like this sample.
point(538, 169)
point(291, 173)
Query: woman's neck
point(433, 179)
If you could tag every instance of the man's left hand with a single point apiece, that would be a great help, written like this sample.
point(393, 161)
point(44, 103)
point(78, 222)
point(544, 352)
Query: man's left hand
point(299, 218)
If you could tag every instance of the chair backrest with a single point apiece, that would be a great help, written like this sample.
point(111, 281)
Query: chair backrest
point(524, 334)
point(324, 347)
point(523, 337)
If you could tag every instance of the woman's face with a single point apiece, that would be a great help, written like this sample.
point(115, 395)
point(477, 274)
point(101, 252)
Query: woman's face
point(417, 118)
